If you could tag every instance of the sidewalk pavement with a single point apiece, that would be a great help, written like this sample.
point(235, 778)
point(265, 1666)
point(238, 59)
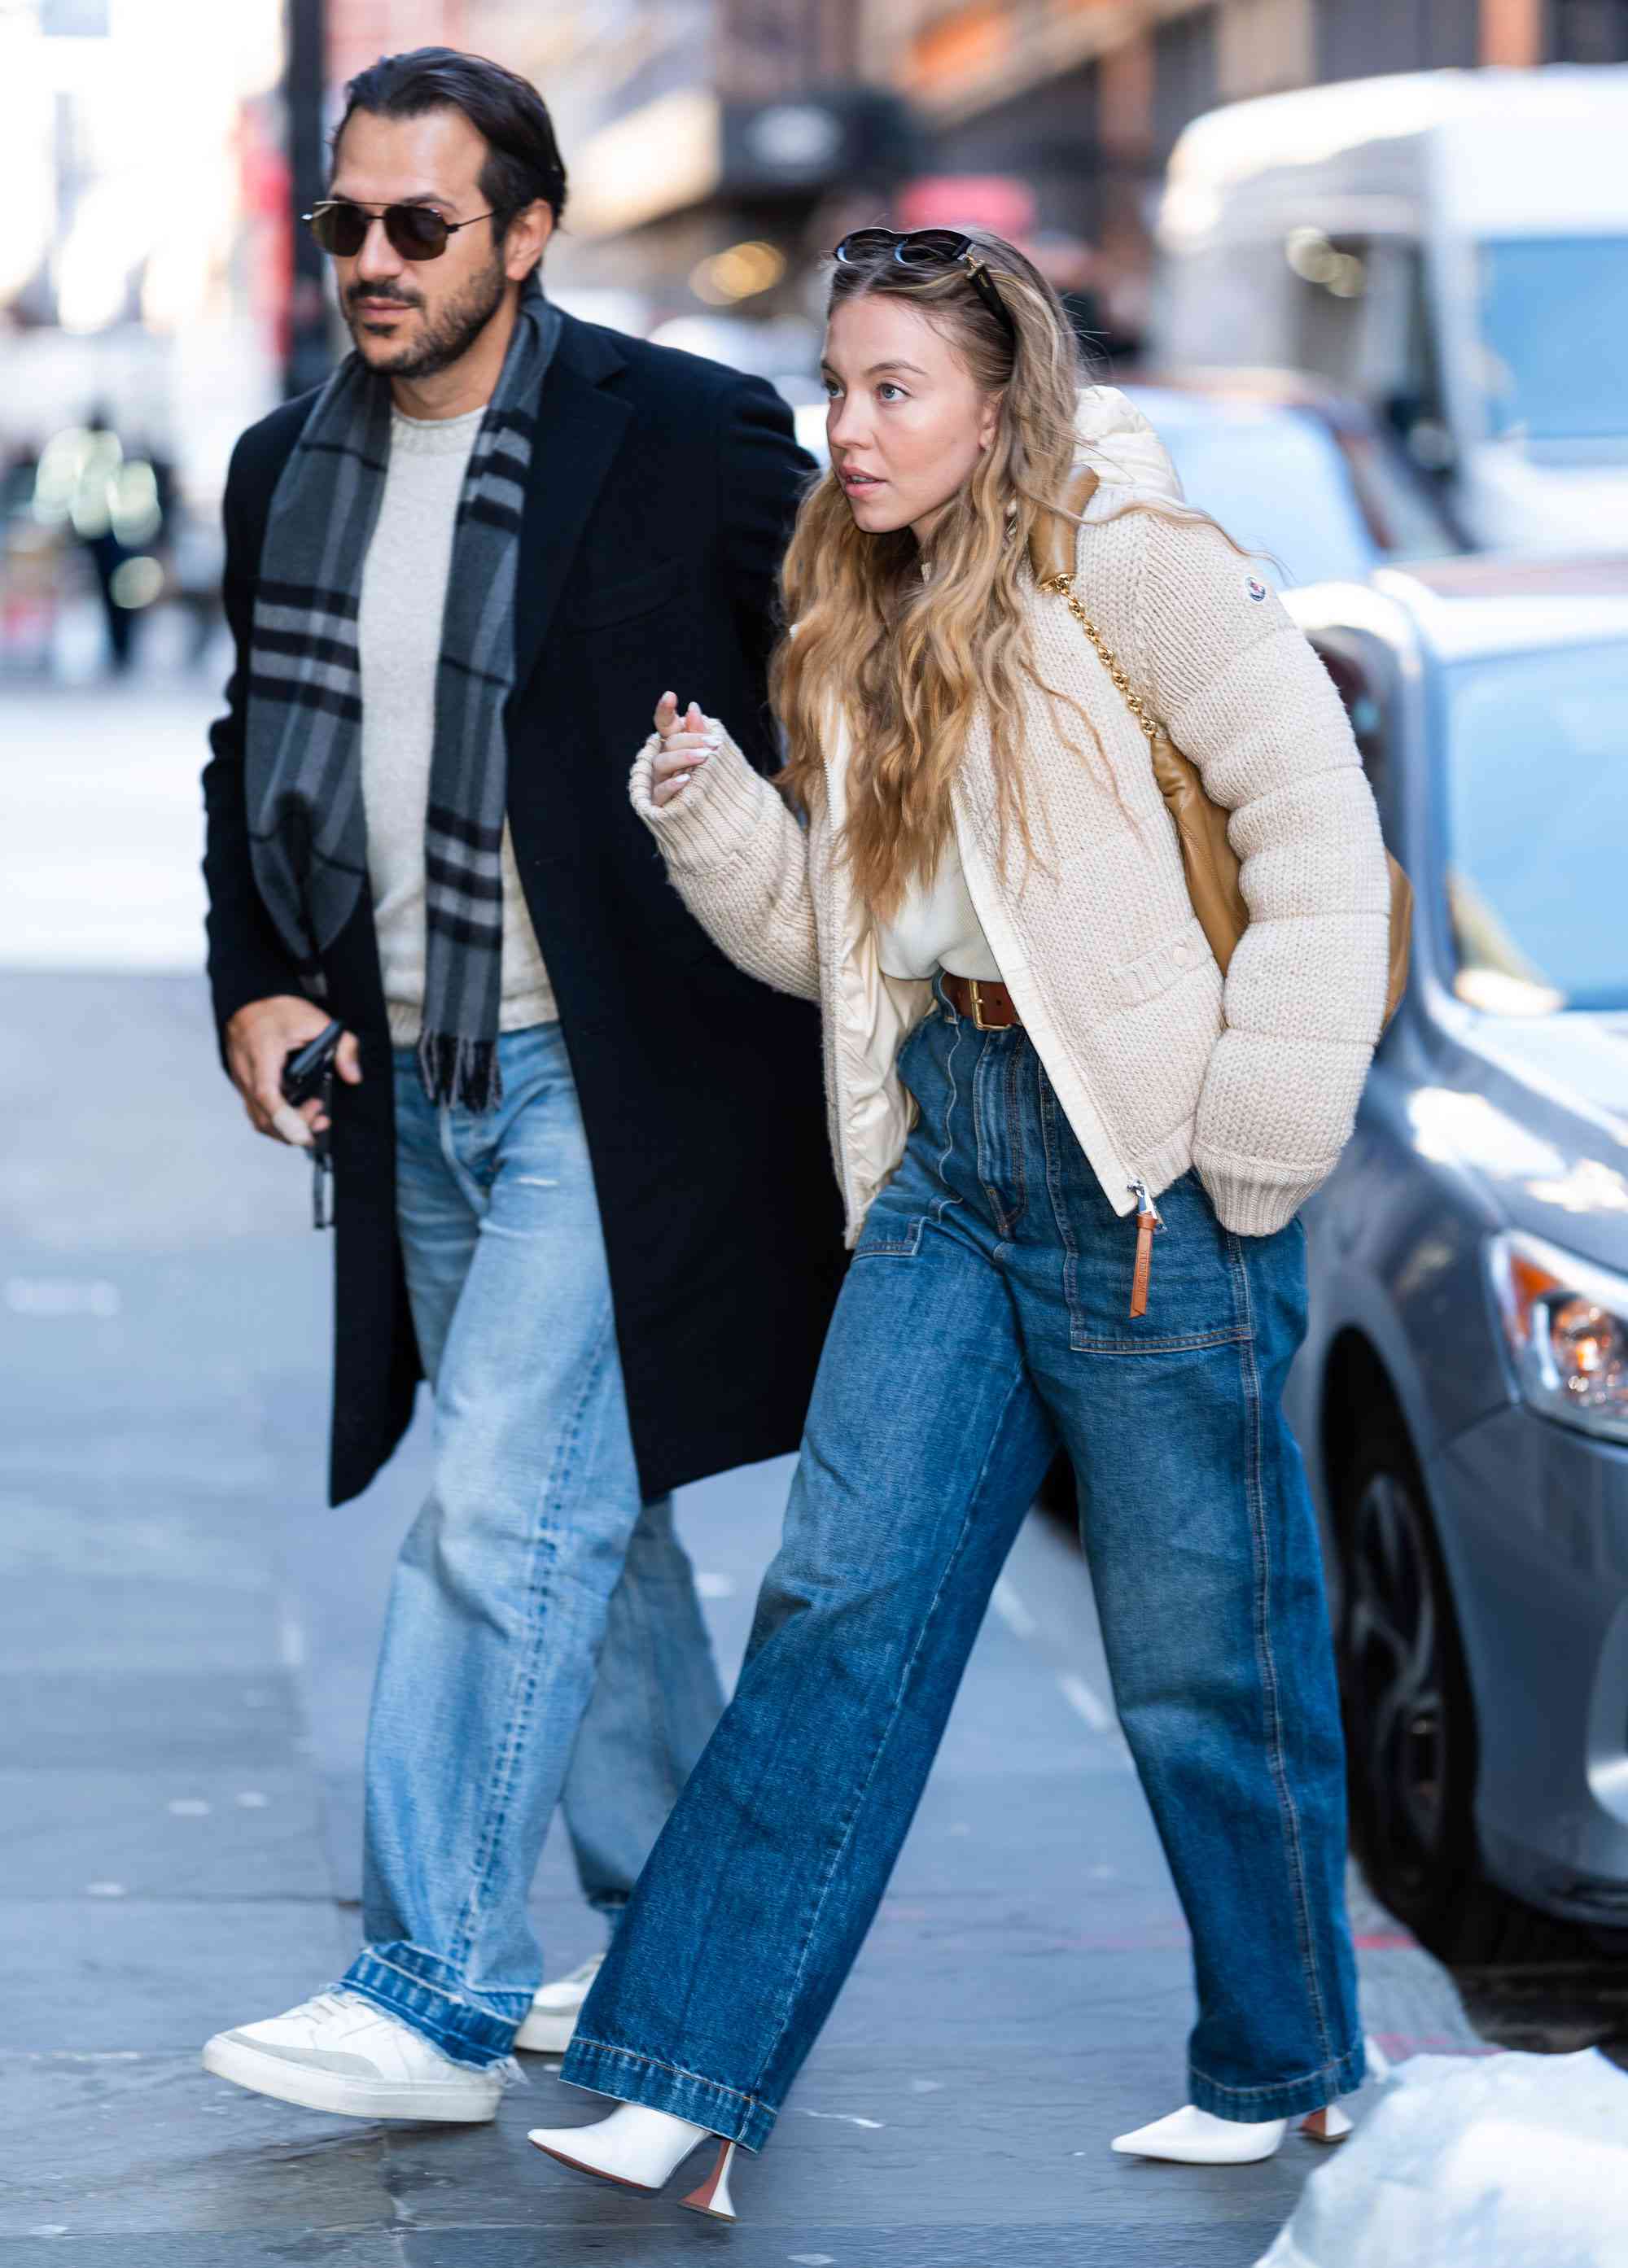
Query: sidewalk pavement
point(188, 1636)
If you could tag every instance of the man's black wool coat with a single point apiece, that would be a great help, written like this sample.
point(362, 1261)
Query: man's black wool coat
point(662, 491)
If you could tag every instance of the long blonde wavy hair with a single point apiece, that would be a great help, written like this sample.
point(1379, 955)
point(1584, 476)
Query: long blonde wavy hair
point(911, 661)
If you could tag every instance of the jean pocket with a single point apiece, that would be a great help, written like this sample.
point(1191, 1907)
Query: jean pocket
point(889, 1235)
point(1196, 1293)
point(901, 1207)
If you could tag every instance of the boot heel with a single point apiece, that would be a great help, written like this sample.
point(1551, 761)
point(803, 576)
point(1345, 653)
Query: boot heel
point(713, 2195)
point(1329, 2124)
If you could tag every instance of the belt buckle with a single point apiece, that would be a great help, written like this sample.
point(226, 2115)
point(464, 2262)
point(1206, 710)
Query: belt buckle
point(978, 1024)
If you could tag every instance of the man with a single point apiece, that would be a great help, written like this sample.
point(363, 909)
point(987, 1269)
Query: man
point(579, 1159)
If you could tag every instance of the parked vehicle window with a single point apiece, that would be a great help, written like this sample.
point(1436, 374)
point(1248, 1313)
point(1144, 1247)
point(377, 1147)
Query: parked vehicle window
point(1554, 330)
point(1537, 801)
point(1357, 688)
point(1274, 478)
point(1362, 320)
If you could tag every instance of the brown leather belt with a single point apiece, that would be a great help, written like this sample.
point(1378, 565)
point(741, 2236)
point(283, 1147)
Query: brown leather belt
point(990, 1006)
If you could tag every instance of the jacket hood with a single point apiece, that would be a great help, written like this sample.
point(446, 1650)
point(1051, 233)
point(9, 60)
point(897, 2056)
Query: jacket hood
point(1123, 450)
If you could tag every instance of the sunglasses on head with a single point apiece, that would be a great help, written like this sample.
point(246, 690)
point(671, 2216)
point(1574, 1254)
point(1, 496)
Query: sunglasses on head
point(924, 249)
point(416, 232)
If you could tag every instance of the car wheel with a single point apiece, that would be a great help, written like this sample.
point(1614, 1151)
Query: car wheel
point(1410, 1718)
point(1411, 1735)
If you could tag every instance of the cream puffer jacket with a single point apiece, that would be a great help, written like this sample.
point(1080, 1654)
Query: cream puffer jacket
point(1158, 1063)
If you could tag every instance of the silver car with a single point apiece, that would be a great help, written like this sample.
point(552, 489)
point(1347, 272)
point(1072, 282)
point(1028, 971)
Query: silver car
point(1463, 1395)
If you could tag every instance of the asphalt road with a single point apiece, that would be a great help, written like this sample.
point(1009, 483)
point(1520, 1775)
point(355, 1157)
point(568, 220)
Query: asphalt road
point(186, 1642)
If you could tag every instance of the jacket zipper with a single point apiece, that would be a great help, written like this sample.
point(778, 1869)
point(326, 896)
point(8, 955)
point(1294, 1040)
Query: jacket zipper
point(1148, 1218)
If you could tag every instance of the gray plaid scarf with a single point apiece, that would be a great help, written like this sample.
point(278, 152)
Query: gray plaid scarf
point(302, 750)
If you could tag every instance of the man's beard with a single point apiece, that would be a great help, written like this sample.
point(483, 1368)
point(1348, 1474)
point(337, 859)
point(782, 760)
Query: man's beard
point(453, 332)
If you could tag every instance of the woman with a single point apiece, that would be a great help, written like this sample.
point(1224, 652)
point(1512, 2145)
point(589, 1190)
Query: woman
point(1031, 1064)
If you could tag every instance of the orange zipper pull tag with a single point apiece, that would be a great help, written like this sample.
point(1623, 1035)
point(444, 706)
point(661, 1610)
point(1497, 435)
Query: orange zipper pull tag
point(1147, 1219)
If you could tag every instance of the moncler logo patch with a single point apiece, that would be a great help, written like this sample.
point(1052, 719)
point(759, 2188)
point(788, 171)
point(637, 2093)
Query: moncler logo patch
point(1256, 590)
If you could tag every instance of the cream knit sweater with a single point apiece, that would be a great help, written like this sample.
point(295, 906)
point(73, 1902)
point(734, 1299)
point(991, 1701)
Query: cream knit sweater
point(1157, 1065)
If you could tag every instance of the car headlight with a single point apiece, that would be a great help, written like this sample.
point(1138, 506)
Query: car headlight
point(1566, 1322)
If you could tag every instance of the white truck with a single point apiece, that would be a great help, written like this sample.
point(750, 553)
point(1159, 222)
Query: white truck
point(1449, 246)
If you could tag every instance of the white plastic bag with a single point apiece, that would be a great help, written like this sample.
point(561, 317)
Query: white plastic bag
point(1484, 2162)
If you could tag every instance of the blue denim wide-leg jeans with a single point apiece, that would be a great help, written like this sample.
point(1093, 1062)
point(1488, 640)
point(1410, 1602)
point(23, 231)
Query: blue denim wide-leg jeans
point(532, 1552)
point(986, 1315)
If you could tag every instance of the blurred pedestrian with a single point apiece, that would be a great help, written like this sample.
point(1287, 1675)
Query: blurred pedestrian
point(1033, 1064)
point(105, 547)
point(576, 1151)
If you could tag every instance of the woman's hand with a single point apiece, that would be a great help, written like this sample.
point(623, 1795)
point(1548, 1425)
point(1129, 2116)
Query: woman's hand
point(685, 748)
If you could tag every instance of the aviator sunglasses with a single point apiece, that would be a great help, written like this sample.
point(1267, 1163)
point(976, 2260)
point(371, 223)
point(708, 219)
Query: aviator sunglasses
point(416, 232)
point(924, 249)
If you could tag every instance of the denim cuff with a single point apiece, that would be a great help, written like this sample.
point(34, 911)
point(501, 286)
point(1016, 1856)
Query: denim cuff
point(1286, 2098)
point(631, 2078)
point(420, 1991)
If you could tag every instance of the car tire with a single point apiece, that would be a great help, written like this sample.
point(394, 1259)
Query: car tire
point(1410, 1716)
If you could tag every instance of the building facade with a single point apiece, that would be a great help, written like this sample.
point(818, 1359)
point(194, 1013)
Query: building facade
point(717, 147)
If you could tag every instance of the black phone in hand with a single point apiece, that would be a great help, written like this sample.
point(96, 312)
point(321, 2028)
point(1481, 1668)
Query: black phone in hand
point(307, 1070)
point(308, 1077)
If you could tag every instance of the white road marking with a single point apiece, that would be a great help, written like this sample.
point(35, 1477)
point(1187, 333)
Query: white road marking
point(290, 1641)
point(1012, 1611)
point(1084, 1703)
point(60, 1295)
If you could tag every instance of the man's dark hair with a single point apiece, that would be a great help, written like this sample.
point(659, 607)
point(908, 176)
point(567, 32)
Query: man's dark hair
point(522, 162)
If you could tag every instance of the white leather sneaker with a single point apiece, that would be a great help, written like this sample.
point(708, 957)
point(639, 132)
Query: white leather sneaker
point(338, 2052)
point(554, 2010)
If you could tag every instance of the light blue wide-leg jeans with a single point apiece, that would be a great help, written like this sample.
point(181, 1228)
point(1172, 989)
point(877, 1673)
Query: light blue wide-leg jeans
point(543, 1641)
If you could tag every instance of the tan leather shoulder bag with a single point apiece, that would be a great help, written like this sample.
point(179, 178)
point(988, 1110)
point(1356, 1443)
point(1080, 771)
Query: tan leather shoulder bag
point(1208, 859)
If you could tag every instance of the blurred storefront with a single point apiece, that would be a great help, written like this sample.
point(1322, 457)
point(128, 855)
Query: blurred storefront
point(717, 147)
point(714, 150)
point(143, 185)
point(1085, 100)
point(143, 269)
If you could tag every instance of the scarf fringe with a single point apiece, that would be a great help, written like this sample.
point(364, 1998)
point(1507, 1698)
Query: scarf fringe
point(459, 1070)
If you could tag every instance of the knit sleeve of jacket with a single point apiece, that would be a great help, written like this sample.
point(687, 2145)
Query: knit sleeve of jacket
point(1244, 696)
point(740, 861)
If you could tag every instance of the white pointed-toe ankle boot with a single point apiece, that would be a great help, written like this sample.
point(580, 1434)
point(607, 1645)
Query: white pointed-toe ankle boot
point(643, 2149)
point(1189, 2137)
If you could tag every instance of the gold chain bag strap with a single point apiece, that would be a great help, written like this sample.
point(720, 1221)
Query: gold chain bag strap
point(1208, 860)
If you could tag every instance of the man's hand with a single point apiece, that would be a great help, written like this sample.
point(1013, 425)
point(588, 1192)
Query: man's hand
point(260, 1038)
